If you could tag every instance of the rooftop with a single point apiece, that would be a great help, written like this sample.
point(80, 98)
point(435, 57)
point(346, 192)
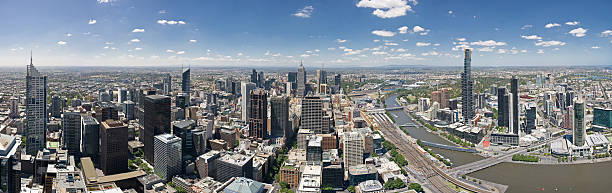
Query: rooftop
point(244, 185)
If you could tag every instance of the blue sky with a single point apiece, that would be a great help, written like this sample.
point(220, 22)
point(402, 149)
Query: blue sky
point(340, 33)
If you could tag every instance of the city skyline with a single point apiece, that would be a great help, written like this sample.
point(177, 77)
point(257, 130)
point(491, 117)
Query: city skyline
point(278, 33)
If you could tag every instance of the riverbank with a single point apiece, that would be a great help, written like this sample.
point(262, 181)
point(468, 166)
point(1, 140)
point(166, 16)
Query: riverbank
point(554, 161)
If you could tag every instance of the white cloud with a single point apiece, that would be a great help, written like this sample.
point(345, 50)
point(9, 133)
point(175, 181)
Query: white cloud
point(606, 33)
point(68, 34)
point(135, 40)
point(486, 49)
point(267, 53)
point(92, 21)
point(170, 22)
point(527, 26)
point(61, 43)
point(108, 43)
point(540, 51)
point(572, 23)
point(193, 41)
point(532, 37)
point(304, 55)
point(387, 8)
point(501, 51)
point(376, 41)
point(595, 47)
point(549, 43)
point(436, 44)
point(105, 1)
point(450, 12)
point(304, 12)
point(488, 43)
point(403, 29)
point(550, 25)
point(431, 53)
point(137, 49)
point(340, 40)
point(578, 32)
point(383, 33)
point(391, 44)
point(556, 49)
point(400, 50)
point(239, 54)
point(417, 29)
point(523, 51)
point(180, 52)
point(163, 11)
point(421, 44)
point(461, 39)
point(137, 30)
point(331, 48)
point(170, 51)
point(379, 53)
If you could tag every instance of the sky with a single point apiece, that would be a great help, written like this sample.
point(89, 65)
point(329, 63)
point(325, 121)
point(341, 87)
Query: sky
point(333, 33)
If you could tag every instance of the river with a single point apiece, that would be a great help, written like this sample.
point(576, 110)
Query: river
point(522, 178)
point(456, 157)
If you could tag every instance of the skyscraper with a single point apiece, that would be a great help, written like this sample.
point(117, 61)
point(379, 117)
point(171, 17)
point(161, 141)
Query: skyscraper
point(168, 159)
point(292, 78)
point(353, 149)
point(502, 107)
point(56, 107)
point(258, 116)
point(337, 83)
point(260, 79)
point(246, 88)
point(90, 136)
point(280, 117)
point(128, 109)
point(301, 81)
point(530, 123)
point(467, 108)
point(254, 77)
point(122, 95)
point(36, 110)
point(444, 98)
point(14, 107)
point(167, 85)
point(186, 81)
point(515, 104)
point(579, 134)
point(71, 132)
point(313, 116)
point(184, 130)
point(113, 147)
point(321, 79)
point(156, 121)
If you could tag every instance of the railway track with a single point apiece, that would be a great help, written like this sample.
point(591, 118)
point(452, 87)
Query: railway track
point(432, 174)
point(414, 158)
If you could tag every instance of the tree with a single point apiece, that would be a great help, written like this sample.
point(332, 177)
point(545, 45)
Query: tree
point(394, 184)
point(351, 189)
point(415, 187)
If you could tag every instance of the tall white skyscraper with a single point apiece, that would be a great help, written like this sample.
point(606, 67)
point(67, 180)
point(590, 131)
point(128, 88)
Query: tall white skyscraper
point(245, 89)
point(36, 110)
point(167, 156)
point(353, 149)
